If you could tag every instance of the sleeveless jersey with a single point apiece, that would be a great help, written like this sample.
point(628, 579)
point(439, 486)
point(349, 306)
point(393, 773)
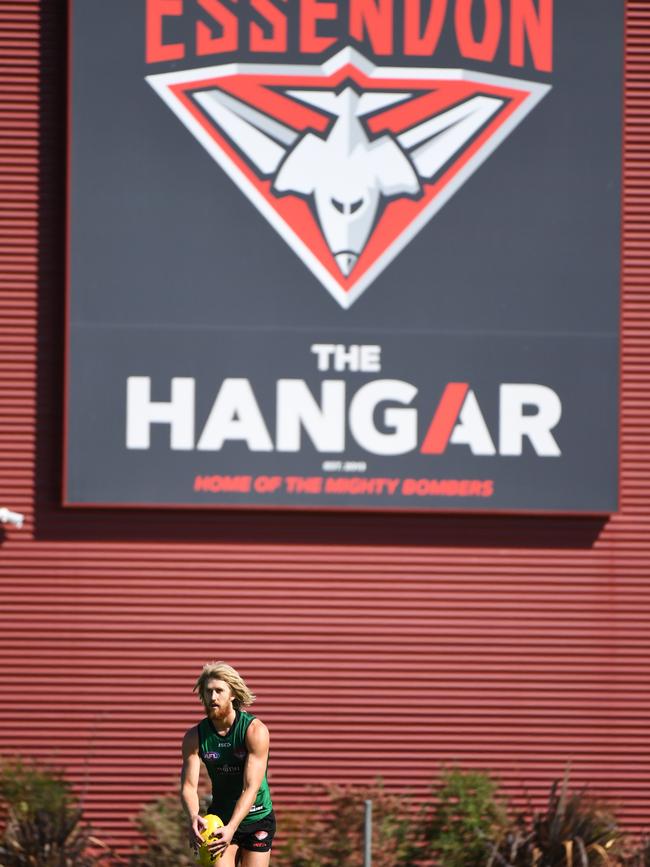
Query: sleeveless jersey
point(224, 757)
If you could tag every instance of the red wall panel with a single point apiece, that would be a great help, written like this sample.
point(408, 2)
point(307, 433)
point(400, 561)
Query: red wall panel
point(394, 643)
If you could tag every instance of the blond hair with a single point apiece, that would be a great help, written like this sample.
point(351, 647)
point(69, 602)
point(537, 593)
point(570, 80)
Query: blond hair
point(222, 671)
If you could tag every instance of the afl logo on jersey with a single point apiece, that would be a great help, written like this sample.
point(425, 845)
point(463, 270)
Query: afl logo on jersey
point(212, 757)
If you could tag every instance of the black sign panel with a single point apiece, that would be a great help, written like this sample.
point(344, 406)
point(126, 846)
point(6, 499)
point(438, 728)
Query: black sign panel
point(358, 254)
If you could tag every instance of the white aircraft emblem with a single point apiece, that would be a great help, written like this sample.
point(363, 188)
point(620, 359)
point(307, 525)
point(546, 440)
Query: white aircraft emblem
point(347, 175)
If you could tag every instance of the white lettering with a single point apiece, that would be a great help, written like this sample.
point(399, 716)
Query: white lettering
point(325, 424)
point(235, 415)
point(514, 425)
point(370, 358)
point(142, 412)
point(323, 351)
point(356, 357)
point(471, 429)
point(403, 421)
point(302, 419)
point(346, 358)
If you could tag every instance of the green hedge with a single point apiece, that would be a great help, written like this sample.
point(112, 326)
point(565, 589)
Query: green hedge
point(466, 822)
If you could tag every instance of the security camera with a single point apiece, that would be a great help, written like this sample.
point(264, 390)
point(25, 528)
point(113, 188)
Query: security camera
point(9, 517)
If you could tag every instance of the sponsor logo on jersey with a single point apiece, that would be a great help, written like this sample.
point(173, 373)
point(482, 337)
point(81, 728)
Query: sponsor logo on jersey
point(212, 756)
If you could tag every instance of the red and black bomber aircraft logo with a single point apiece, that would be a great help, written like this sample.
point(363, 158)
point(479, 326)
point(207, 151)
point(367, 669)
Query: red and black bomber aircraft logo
point(346, 160)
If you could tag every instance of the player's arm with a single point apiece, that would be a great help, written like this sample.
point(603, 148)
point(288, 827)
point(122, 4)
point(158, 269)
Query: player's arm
point(190, 773)
point(257, 744)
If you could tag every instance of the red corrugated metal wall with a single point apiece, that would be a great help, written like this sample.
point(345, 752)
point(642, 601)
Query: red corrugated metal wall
point(516, 644)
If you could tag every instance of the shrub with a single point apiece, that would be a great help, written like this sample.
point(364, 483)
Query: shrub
point(575, 830)
point(163, 827)
point(459, 829)
point(333, 835)
point(49, 838)
point(44, 825)
point(637, 855)
point(27, 789)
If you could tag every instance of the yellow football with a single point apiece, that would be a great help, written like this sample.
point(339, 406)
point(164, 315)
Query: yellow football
point(203, 854)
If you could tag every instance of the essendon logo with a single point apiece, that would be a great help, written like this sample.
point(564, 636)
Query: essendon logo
point(347, 161)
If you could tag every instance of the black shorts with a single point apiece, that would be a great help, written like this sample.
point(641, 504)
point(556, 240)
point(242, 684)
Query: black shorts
point(256, 836)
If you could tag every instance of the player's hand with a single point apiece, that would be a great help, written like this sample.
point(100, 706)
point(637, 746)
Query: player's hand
point(221, 839)
point(197, 825)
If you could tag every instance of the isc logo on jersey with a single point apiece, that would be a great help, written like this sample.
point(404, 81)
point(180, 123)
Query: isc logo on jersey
point(347, 161)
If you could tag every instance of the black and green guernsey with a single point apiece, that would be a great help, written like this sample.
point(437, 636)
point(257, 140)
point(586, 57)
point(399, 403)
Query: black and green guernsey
point(224, 757)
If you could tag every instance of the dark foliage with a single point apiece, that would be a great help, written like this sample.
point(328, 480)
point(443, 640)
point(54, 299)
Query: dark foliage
point(575, 830)
point(466, 825)
point(26, 788)
point(49, 838)
point(333, 836)
point(163, 827)
point(465, 817)
point(164, 830)
point(637, 855)
point(44, 827)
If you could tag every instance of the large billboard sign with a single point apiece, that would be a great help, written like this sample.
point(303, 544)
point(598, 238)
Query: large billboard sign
point(344, 253)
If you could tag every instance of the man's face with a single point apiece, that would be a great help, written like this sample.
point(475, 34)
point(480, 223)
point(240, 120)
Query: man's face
point(218, 698)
